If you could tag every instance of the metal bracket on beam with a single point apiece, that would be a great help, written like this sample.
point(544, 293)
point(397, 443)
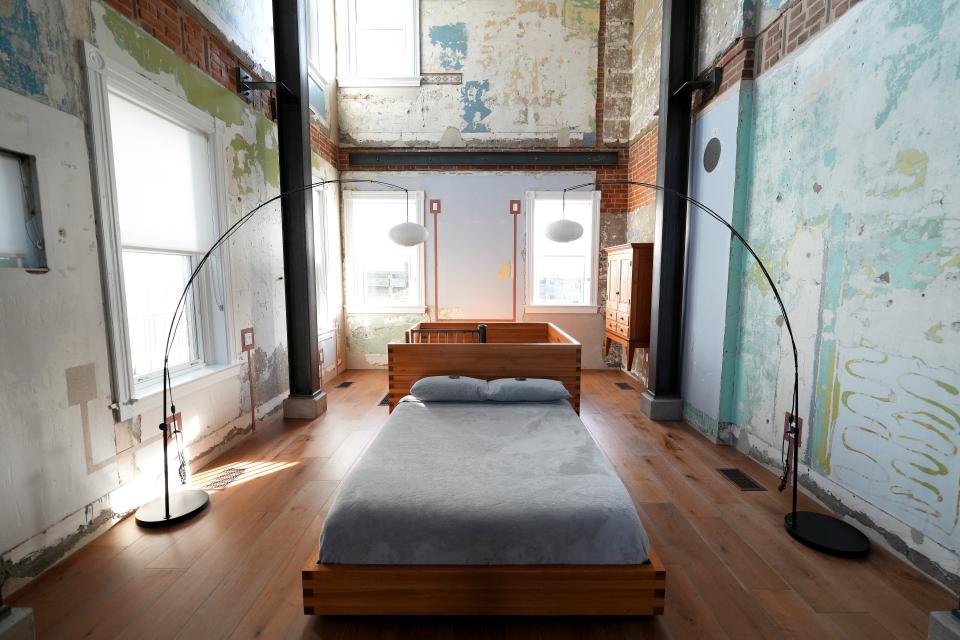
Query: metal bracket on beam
point(246, 84)
point(708, 86)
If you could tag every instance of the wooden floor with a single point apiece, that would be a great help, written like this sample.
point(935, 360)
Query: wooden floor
point(234, 571)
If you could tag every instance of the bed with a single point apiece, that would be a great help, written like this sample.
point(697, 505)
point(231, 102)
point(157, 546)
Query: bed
point(484, 350)
point(483, 509)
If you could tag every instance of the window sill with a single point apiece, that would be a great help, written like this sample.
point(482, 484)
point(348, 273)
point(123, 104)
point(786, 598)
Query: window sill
point(398, 310)
point(149, 397)
point(561, 309)
point(411, 81)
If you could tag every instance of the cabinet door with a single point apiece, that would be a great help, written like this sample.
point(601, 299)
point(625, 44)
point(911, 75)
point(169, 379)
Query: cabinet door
point(626, 284)
point(613, 282)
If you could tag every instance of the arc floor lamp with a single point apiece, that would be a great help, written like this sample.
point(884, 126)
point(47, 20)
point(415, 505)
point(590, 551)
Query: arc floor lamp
point(174, 507)
point(819, 531)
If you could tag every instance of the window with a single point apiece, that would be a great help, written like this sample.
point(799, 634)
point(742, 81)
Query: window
point(380, 43)
point(326, 229)
point(321, 48)
point(562, 276)
point(21, 233)
point(382, 275)
point(161, 189)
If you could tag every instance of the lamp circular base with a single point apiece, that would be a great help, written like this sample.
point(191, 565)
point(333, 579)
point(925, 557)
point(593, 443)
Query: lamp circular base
point(827, 534)
point(183, 505)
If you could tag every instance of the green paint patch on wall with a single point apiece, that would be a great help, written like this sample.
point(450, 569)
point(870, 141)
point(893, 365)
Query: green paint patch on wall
point(200, 89)
point(262, 153)
point(582, 17)
point(933, 333)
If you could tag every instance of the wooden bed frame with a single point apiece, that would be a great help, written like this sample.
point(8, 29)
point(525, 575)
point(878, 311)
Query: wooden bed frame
point(501, 590)
point(499, 350)
point(512, 349)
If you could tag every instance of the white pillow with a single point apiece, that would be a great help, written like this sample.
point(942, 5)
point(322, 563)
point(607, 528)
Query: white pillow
point(526, 390)
point(450, 389)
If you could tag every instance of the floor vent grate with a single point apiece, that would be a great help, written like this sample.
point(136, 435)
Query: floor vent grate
point(624, 385)
point(345, 384)
point(742, 480)
point(386, 401)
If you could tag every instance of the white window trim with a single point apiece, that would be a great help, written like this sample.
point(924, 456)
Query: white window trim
point(346, 51)
point(530, 241)
point(101, 72)
point(313, 42)
point(354, 291)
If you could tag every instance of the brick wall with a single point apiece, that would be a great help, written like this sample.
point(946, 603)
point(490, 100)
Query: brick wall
point(796, 24)
point(800, 21)
point(643, 168)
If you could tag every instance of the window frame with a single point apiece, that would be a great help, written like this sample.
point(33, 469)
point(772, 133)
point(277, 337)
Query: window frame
point(345, 16)
point(355, 296)
point(313, 43)
point(530, 246)
point(30, 193)
point(131, 396)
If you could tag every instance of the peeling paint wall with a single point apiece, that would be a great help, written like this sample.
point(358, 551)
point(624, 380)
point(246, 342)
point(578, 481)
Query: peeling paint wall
point(529, 78)
point(69, 467)
point(645, 101)
point(852, 201)
point(722, 22)
point(617, 71)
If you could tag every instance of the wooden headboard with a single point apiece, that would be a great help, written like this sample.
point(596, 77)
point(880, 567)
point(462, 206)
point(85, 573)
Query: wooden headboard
point(557, 358)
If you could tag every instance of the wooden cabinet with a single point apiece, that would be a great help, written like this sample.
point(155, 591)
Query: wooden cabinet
point(629, 288)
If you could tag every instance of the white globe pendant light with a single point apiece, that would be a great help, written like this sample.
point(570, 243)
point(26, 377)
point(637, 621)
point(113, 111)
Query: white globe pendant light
point(564, 230)
point(409, 234)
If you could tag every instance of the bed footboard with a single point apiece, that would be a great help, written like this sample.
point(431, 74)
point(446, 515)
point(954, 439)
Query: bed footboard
point(509, 590)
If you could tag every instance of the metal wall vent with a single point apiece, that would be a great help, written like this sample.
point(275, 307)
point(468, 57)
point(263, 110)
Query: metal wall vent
point(344, 384)
point(742, 480)
point(386, 401)
point(624, 385)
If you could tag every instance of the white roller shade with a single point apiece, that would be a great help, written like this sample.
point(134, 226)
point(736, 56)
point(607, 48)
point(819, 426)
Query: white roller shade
point(163, 180)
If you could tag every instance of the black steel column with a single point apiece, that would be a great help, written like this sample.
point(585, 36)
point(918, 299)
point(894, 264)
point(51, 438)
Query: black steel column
point(299, 265)
point(662, 399)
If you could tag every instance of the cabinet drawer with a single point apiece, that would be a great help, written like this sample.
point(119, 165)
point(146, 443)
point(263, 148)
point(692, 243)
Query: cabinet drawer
point(611, 325)
point(623, 330)
point(611, 313)
point(623, 317)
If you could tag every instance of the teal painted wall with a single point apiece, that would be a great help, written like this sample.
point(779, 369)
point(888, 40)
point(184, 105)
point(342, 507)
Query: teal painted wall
point(851, 198)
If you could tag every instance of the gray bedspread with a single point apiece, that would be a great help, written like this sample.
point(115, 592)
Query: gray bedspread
point(483, 483)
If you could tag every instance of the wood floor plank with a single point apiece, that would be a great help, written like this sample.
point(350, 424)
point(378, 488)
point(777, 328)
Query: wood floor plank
point(234, 571)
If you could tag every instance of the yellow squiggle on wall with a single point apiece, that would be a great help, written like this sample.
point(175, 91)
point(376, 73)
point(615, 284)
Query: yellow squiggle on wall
point(898, 446)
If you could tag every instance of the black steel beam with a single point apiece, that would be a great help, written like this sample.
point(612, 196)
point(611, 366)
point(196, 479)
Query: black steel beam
point(483, 158)
point(678, 46)
point(296, 208)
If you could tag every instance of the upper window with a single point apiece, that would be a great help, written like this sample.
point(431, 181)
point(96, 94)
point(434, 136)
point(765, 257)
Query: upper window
point(21, 234)
point(562, 275)
point(382, 275)
point(380, 43)
point(160, 181)
point(321, 48)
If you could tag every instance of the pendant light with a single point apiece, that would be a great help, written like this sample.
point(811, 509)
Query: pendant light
point(564, 230)
point(409, 234)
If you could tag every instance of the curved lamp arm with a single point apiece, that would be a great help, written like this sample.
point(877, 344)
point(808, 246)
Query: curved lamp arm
point(181, 303)
point(795, 405)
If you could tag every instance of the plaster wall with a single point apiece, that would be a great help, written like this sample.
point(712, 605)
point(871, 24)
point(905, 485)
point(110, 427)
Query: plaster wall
point(852, 201)
point(645, 54)
point(247, 23)
point(476, 256)
point(529, 78)
point(722, 23)
point(70, 467)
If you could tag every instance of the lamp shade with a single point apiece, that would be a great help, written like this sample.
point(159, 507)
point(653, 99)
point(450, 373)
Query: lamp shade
point(564, 230)
point(408, 234)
